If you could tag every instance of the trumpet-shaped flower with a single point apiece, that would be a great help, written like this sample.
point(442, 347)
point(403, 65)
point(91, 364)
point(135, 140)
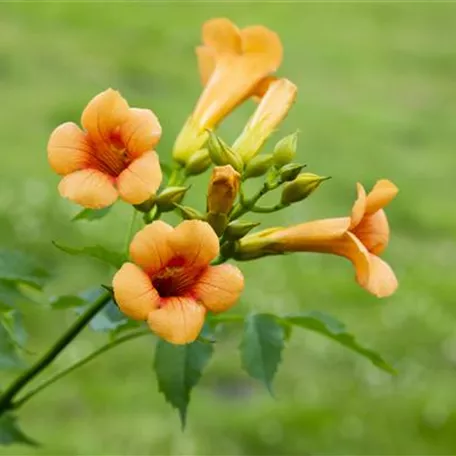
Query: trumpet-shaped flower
point(361, 238)
point(234, 65)
point(171, 284)
point(113, 156)
point(272, 109)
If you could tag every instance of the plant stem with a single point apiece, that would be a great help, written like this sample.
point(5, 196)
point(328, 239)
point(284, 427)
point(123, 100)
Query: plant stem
point(130, 231)
point(77, 365)
point(22, 380)
point(268, 209)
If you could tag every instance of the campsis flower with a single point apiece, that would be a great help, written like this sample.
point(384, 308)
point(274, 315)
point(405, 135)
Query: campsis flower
point(361, 238)
point(113, 156)
point(234, 64)
point(171, 284)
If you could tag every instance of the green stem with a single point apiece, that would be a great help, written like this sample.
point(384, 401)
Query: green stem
point(268, 209)
point(17, 385)
point(64, 372)
point(175, 177)
point(130, 231)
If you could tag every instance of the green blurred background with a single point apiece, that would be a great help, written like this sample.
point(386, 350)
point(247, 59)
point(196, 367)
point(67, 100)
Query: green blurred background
point(377, 93)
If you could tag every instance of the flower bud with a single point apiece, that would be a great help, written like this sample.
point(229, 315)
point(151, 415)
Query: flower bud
point(188, 213)
point(198, 163)
point(221, 154)
point(285, 150)
point(301, 187)
point(290, 172)
point(169, 197)
point(223, 189)
point(258, 166)
point(238, 229)
point(218, 222)
point(147, 205)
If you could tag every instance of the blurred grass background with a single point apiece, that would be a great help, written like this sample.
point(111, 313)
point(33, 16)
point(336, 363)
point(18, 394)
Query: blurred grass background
point(377, 99)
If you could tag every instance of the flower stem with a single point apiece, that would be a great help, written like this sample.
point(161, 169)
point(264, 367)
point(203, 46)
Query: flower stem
point(20, 402)
point(22, 380)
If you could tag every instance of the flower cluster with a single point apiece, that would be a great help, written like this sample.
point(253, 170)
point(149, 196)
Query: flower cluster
point(177, 274)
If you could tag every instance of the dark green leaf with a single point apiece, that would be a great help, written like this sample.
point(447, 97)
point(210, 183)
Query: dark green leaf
point(12, 338)
point(334, 329)
point(91, 214)
point(261, 347)
point(11, 433)
point(18, 267)
point(179, 369)
point(67, 301)
point(100, 253)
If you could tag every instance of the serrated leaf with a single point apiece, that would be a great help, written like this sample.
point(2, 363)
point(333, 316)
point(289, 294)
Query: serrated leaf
point(67, 301)
point(261, 347)
point(91, 214)
point(18, 267)
point(12, 338)
point(179, 368)
point(334, 329)
point(100, 253)
point(11, 433)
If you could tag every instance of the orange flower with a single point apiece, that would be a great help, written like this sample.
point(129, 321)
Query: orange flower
point(234, 65)
point(171, 284)
point(361, 238)
point(113, 157)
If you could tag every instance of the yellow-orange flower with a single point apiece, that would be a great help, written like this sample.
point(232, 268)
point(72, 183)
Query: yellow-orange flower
point(171, 285)
point(223, 189)
point(361, 238)
point(272, 109)
point(234, 65)
point(113, 157)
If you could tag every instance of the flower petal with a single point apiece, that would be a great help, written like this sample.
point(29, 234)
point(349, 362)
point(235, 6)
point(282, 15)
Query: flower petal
point(219, 287)
point(373, 232)
point(68, 149)
point(381, 195)
point(104, 113)
point(221, 35)
point(382, 280)
point(89, 188)
point(359, 207)
point(179, 321)
point(196, 242)
point(141, 179)
point(134, 292)
point(141, 132)
point(150, 247)
point(206, 62)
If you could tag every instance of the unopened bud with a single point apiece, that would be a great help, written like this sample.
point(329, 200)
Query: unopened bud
point(221, 154)
point(290, 172)
point(301, 187)
point(258, 166)
point(285, 150)
point(169, 197)
point(218, 222)
point(223, 189)
point(198, 163)
point(147, 205)
point(238, 229)
point(188, 213)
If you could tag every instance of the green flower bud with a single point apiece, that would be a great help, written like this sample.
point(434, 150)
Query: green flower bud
point(147, 205)
point(290, 172)
point(238, 229)
point(221, 154)
point(285, 150)
point(301, 187)
point(169, 197)
point(258, 166)
point(188, 213)
point(218, 222)
point(198, 163)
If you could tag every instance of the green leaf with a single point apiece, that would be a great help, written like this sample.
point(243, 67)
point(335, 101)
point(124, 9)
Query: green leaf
point(91, 214)
point(18, 267)
point(179, 368)
point(12, 338)
point(68, 301)
point(261, 347)
point(11, 433)
point(10, 295)
point(335, 330)
point(100, 253)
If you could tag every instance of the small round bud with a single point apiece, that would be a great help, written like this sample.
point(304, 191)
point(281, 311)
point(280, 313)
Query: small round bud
point(170, 196)
point(285, 150)
point(301, 187)
point(290, 172)
point(198, 163)
point(258, 166)
point(238, 229)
